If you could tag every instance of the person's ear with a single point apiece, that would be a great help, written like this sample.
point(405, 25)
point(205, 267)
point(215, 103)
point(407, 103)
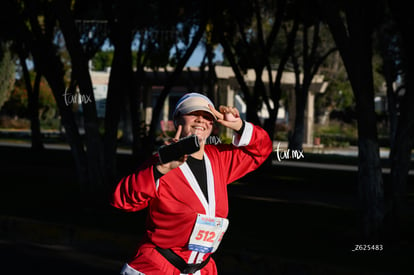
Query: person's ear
point(216, 129)
point(178, 121)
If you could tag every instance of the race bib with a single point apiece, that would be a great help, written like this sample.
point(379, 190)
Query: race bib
point(207, 233)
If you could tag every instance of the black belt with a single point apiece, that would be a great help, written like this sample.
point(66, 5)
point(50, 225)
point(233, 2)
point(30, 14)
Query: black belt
point(179, 263)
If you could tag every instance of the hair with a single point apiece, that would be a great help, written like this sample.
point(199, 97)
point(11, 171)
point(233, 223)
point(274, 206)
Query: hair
point(176, 117)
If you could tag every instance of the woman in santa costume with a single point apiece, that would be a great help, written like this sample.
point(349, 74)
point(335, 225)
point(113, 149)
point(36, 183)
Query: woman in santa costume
point(187, 197)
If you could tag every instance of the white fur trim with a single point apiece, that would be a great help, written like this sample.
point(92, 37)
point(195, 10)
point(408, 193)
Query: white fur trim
point(245, 138)
point(128, 270)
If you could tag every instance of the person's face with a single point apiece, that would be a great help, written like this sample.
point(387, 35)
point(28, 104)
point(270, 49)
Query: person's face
point(199, 123)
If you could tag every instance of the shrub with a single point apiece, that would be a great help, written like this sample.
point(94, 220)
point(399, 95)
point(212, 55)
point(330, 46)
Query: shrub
point(337, 134)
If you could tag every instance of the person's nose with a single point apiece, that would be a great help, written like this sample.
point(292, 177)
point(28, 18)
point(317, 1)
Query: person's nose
point(200, 118)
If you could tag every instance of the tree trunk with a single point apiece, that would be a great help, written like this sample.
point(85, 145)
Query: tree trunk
point(50, 65)
point(81, 71)
point(126, 122)
point(135, 122)
point(33, 98)
point(211, 77)
point(355, 46)
point(370, 182)
point(298, 133)
point(37, 143)
point(117, 90)
point(277, 87)
point(370, 189)
point(137, 95)
point(46, 60)
point(404, 137)
point(397, 190)
point(251, 110)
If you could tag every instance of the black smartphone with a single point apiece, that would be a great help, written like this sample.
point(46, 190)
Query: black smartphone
point(175, 151)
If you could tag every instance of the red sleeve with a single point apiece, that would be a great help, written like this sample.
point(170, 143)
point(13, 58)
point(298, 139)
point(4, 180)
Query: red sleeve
point(135, 190)
point(252, 148)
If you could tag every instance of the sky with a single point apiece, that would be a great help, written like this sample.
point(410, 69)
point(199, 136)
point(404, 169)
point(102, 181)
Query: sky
point(198, 54)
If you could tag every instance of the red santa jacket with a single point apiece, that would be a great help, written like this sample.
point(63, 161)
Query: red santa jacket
point(175, 199)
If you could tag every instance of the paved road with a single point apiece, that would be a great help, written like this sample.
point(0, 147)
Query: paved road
point(29, 258)
point(327, 166)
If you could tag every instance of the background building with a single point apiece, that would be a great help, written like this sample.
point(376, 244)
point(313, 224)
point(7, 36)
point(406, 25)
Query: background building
point(227, 92)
